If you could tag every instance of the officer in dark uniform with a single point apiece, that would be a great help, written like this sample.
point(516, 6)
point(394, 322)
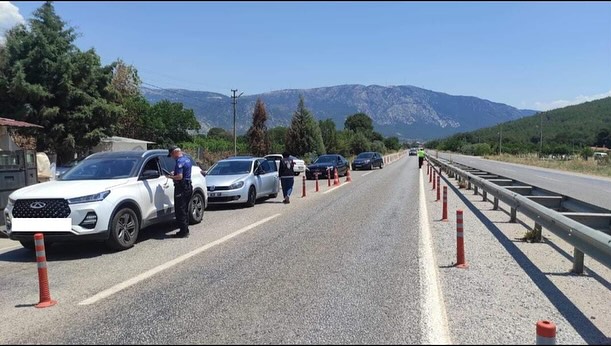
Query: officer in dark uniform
point(183, 190)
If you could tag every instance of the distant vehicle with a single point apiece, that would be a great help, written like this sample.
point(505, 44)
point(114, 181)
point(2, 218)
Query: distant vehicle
point(59, 170)
point(599, 155)
point(108, 196)
point(242, 180)
point(328, 162)
point(368, 160)
point(299, 167)
point(413, 151)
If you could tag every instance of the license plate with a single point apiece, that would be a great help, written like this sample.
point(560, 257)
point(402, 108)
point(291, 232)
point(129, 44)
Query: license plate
point(214, 194)
point(41, 225)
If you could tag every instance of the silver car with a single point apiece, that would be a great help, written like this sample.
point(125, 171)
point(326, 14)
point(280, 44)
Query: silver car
point(241, 180)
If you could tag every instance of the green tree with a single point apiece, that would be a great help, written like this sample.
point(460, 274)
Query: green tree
point(586, 153)
point(220, 133)
point(359, 122)
point(258, 141)
point(46, 80)
point(303, 136)
point(392, 143)
point(329, 135)
point(170, 123)
point(603, 138)
point(359, 143)
point(277, 136)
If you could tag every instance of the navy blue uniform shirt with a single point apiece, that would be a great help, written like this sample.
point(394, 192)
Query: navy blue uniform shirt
point(183, 165)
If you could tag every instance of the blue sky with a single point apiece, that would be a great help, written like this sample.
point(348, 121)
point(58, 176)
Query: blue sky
point(536, 55)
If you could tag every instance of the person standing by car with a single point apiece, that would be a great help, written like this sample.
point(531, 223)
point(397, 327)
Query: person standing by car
point(421, 154)
point(287, 176)
point(183, 189)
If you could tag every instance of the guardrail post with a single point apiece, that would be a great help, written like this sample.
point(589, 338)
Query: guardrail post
point(514, 215)
point(484, 196)
point(303, 194)
point(496, 204)
point(468, 185)
point(577, 261)
point(537, 233)
point(475, 189)
point(316, 175)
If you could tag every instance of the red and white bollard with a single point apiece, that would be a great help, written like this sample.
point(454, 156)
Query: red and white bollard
point(546, 333)
point(304, 187)
point(444, 209)
point(434, 180)
point(316, 175)
point(460, 241)
point(438, 188)
point(43, 279)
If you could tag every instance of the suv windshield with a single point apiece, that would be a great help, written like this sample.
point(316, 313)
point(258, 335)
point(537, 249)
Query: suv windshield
point(102, 168)
point(230, 168)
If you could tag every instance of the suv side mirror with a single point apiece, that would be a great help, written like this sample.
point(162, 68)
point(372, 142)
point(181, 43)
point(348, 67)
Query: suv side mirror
point(150, 174)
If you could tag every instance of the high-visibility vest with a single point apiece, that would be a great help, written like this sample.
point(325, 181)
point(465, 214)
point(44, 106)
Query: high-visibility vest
point(421, 153)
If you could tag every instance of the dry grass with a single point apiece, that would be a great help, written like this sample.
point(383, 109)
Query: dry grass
point(591, 166)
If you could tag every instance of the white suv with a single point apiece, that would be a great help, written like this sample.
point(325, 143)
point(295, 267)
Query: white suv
point(108, 196)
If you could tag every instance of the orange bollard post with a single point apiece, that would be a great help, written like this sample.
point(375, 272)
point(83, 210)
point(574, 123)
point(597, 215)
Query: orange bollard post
point(304, 187)
point(335, 177)
point(546, 333)
point(348, 177)
point(316, 175)
point(43, 279)
point(438, 190)
point(444, 209)
point(460, 242)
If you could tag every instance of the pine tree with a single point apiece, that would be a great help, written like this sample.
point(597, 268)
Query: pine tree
point(303, 136)
point(258, 139)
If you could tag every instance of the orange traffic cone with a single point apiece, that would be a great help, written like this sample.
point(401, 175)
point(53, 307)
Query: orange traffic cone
point(348, 178)
point(335, 178)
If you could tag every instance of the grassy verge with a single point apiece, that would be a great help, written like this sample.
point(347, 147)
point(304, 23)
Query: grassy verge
point(579, 165)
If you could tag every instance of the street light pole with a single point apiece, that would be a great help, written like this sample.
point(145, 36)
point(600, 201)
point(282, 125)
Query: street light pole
point(235, 102)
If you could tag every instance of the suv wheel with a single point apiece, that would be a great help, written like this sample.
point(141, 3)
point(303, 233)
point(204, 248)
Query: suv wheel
point(196, 207)
point(124, 229)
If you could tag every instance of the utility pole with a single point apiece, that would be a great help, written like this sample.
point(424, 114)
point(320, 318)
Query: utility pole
point(234, 102)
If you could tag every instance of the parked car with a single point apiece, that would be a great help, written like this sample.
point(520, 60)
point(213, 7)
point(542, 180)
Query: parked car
point(413, 151)
point(299, 167)
point(328, 161)
point(368, 160)
point(242, 180)
point(108, 196)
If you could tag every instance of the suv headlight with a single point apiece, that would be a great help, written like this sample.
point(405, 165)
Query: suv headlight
point(236, 185)
point(90, 198)
point(11, 201)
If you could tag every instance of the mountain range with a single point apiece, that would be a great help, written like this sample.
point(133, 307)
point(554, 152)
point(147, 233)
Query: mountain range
point(407, 112)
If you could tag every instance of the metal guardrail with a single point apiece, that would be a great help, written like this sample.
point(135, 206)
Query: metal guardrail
point(584, 239)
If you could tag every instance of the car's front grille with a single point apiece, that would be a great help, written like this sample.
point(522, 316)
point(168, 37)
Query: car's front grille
point(223, 199)
point(218, 188)
point(41, 208)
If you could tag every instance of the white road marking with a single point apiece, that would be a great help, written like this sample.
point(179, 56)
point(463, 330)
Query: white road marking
point(546, 178)
point(434, 319)
point(160, 268)
point(366, 174)
point(336, 187)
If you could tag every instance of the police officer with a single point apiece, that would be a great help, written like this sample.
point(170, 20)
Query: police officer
point(183, 190)
point(421, 154)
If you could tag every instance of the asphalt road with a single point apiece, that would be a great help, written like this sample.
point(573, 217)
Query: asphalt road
point(591, 189)
point(338, 266)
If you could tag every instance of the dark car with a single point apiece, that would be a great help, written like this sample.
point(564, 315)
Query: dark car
point(368, 160)
point(328, 161)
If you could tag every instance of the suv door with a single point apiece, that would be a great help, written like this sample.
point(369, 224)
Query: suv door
point(156, 192)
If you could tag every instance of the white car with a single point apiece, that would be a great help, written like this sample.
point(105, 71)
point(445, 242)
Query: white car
point(299, 166)
point(108, 196)
point(242, 180)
